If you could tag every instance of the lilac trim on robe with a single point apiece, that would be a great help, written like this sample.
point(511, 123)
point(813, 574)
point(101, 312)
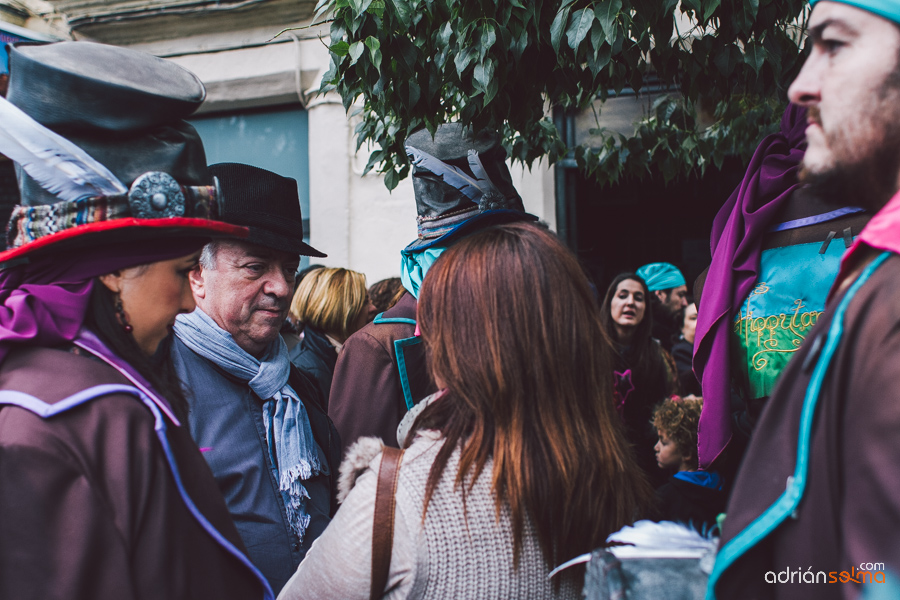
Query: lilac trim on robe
point(90, 342)
point(44, 410)
point(736, 244)
point(816, 219)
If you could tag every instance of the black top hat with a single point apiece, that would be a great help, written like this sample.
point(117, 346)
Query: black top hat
point(85, 122)
point(264, 202)
point(461, 184)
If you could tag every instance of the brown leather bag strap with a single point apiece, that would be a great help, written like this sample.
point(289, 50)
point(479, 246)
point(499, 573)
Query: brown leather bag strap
point(383, 526)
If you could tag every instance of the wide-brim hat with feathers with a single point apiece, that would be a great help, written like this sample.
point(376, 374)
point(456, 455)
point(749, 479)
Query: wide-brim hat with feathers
point(461, 184)
point(102, 152)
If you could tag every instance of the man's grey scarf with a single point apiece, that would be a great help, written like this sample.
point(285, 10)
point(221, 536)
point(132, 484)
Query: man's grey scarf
point(292, 449)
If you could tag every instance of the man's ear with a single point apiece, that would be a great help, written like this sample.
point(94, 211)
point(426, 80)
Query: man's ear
point(661, 295)
point(113, 281)
point(198, 283)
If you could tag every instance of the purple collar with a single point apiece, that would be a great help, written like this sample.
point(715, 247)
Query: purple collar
point(816, 219)
point(89, 341)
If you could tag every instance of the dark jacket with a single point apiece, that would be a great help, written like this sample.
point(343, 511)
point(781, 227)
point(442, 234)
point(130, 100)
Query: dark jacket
point(683, 353)
point(316, 357)
point(665, 324)
point(366, 396)
point(89, 507)
point(686, 502)
point(850, 508)
point(641, 395)
point(226, 422)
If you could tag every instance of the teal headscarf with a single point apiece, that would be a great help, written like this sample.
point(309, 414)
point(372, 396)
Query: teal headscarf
point(888, 9)
point(661, 276)
point(414, 266)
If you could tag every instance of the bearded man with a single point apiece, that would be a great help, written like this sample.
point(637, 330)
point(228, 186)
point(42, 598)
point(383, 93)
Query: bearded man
point(817, 499)
point(668, 299)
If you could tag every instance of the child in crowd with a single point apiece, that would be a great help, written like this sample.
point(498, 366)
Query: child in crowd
point(690, 496)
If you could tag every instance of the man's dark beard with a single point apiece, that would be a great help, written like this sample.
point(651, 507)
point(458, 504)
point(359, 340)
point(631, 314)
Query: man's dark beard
point(662, 314)
point(871, 182)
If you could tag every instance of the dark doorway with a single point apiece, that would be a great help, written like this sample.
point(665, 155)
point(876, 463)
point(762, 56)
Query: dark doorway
point(621, 227)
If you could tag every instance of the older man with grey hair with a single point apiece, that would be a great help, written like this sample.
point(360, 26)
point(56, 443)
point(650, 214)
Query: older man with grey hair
point(260, 423)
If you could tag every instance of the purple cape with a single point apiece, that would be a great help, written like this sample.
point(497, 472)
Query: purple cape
point(736, 244)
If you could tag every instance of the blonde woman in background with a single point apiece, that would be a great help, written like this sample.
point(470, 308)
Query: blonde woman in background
point(329, 305)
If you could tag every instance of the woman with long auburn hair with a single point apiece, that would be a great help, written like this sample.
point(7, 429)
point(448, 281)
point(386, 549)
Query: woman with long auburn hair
point(519, 463)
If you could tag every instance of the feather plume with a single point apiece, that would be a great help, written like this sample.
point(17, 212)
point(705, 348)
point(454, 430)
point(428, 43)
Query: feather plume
point(484, 180)
point(647, 539)
point(451, 175)
point(664, 539)
point(58, 165)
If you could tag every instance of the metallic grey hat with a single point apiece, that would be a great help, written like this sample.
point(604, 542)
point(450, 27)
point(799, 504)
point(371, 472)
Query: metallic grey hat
point(461, 184)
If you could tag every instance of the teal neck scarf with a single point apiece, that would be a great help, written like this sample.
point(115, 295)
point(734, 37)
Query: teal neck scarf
point(414, 266)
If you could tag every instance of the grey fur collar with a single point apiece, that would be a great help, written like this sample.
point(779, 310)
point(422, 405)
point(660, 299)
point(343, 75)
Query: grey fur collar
point(357, 460)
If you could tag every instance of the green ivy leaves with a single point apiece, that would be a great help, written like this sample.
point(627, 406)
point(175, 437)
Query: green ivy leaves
point(670, 143)
point(558, 27)
point(500, 63)
point(606, 12)
point(579, 27)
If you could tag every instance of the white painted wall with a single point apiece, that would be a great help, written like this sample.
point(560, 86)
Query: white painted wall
point(538, 190)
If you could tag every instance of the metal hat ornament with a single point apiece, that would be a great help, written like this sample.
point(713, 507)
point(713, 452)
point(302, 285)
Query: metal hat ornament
point(71, 199)
point(82, 184)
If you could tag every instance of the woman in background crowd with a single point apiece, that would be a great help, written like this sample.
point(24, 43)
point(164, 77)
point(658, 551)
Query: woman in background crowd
point(291, 332)
point(644, 373)
point(330, 305)
point(683, 352)
point(385, 293)
point(518, 463)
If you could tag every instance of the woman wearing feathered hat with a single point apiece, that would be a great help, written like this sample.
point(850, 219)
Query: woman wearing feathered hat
point(103, 494)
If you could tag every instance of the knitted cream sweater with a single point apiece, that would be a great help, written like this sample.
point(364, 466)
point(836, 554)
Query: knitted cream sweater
point(448, 557)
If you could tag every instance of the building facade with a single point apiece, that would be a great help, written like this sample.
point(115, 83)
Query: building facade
point(263, 108)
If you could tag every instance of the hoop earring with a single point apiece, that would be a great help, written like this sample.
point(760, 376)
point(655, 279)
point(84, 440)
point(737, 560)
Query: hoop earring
point(120, 314)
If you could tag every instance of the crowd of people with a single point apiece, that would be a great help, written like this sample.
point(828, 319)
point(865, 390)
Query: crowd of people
point(183, 414)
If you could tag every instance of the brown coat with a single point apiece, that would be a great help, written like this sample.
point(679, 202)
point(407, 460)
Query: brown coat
point(366, 397)
point(850, 510)
point(89, 508)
